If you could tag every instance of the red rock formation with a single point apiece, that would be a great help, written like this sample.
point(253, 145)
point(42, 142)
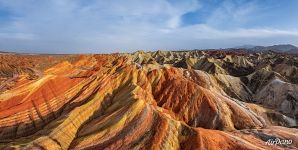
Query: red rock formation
point(113, 102)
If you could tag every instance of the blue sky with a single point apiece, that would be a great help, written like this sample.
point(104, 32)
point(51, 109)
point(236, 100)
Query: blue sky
point(104, 26)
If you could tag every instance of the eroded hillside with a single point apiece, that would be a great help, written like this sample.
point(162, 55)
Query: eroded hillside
point(149, 100)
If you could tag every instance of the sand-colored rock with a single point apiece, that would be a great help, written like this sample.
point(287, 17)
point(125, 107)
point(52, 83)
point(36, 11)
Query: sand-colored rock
point(147, 100)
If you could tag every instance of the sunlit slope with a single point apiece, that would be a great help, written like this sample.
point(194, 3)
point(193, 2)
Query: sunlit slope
point(149, 101)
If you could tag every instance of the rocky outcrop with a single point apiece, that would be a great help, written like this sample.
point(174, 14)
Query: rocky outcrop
point(158, 100)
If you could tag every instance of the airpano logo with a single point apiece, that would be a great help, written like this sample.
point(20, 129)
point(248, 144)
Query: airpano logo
point(278, 141)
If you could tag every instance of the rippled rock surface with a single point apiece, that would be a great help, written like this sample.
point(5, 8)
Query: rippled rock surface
point(149, 100)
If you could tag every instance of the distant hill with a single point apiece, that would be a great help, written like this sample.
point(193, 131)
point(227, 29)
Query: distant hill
point(4, 52)
point(293, 51)
point(245, 46)
point(285, 48)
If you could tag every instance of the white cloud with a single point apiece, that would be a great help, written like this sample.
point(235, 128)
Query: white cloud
point(230, 14)
point(65, 26)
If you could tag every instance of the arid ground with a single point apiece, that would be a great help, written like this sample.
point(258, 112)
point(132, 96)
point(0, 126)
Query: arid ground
point(149, 100)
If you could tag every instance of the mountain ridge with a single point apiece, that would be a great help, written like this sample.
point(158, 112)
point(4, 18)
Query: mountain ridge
point(284, 48)
point(149, 100)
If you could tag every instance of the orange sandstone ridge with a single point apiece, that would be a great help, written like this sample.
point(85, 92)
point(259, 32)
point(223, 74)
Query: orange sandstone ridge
point(149, 100)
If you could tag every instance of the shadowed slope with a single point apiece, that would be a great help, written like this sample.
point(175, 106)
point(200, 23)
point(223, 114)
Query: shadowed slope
point(124, 102)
